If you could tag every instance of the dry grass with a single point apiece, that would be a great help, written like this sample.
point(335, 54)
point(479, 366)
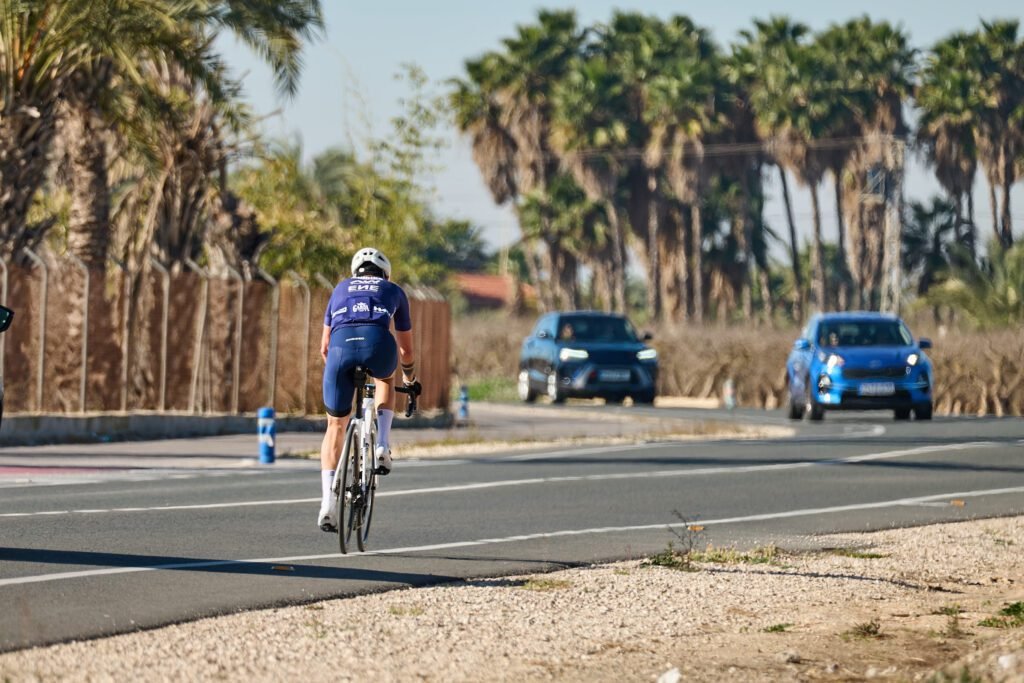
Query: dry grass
point(976, 372)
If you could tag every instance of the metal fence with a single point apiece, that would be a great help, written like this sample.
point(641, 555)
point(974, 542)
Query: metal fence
point(85, 341)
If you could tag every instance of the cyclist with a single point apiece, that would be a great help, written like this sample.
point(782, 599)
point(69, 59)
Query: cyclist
point(357, 332)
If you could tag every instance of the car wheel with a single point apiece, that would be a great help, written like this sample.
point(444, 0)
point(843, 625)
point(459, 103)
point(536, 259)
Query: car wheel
point(796, 410)
point(526, 392)
point(923, 411)
point(554, 392)
point(646, 398)
point(815, 412)
point(901, 414)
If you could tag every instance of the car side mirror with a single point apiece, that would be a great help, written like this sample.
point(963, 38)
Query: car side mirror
point(802, 344)
point(924, 343)
point(543, 334)
point(647, 336)
point(6, 316)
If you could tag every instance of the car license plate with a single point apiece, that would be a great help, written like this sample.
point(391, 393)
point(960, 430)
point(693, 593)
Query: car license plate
point(613, 375)
point(878, 389)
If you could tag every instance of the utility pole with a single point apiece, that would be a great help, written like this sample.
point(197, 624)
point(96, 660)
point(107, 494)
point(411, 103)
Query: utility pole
point(892, 238)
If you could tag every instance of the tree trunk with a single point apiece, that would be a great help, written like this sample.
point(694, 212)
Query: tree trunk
point(746, 237)
point(995, 209)
point(89, 222)
point(570, 279)
point(552, 264)
point(842, 281)
point(972, 229)
point(26, 137)
point(654, 273)
point(767, 295)
point(618, 271)
point(675, 267)
point(1006, 238)
point(533, 266)
point(818, 256)
point(794, 250)
point(697, 260)
point(600, 284)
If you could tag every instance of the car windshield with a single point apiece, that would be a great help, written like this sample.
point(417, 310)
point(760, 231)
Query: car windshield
point(595, 329)
point(863, 333)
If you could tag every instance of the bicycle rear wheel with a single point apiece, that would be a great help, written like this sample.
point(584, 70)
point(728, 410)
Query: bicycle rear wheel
point(348, 490)
point(370, 463)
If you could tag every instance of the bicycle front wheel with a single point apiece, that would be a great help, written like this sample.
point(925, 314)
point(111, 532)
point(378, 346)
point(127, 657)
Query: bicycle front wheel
point(349, 489)
point(367, 449)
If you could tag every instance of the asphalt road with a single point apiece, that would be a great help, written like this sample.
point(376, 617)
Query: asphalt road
point(110, 554)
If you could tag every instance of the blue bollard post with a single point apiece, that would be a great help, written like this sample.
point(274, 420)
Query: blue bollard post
point(464, 404)
point(267, 434)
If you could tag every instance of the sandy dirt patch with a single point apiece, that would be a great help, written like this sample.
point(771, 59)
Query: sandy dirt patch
point(909, 604)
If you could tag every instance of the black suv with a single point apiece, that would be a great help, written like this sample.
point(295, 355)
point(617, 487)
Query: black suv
point(587, 354)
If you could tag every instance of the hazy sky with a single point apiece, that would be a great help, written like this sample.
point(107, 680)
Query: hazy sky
point(348, 88)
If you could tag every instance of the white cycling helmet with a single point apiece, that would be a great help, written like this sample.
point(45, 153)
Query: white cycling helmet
point(371, 255)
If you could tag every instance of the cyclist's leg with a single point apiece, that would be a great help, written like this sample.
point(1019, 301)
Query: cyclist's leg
point(382, 366)
point(338, 389)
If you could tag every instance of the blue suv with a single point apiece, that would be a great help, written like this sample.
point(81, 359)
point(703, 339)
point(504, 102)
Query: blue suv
point(587, 355)
point(859, 361)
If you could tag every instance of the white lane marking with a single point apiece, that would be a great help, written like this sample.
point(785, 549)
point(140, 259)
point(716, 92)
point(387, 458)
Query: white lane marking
point(857, 432)
point(164, 508)
point(587, 451)
point(849, 432)
point(656, 474)
point(805, 512)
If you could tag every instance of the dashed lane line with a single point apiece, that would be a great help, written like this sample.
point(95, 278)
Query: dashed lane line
point(454, 488)
point(805, 512)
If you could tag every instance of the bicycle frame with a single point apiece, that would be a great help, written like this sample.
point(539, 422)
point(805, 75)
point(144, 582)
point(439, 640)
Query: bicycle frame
point(357, 471)
point(355, 481)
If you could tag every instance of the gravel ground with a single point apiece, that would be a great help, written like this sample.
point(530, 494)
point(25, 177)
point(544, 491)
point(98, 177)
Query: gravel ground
point(898, 604)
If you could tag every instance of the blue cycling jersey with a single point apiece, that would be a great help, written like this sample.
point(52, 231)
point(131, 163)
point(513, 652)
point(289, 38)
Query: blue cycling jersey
point(368, 301)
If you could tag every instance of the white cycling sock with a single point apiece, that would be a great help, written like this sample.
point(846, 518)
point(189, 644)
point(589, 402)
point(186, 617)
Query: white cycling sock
point(326, 479)
point(384, 419)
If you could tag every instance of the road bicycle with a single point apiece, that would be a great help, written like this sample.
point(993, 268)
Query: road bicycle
point(355, 483)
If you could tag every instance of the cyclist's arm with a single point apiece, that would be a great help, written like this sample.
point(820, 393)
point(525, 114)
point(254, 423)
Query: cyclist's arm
point(403, 335)
point(325, 342)
point(405, 350)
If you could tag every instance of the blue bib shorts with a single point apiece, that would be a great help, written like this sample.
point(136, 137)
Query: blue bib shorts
point(370, 346)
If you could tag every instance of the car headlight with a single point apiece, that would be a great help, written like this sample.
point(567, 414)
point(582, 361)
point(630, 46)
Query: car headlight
point(834, 362)
point(647, 354)
point(573, 354)
point(912, 359)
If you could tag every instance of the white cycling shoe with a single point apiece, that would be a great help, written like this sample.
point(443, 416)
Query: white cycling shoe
point(327, 519)
point(383, 460)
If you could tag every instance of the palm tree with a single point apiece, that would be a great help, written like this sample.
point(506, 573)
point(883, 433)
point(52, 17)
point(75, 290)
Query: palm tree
point(999, 56)
point(948, 99)
point(876, 67)
point(592, 135)
point(507, 106)
point(45, 49)
point(761, 66)
point(276, 31)
point(929, 237)
point(683, 114)
point(801, 103)
point(987, 294)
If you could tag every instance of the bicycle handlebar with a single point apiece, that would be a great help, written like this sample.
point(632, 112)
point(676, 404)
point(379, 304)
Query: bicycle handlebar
point(412, 391)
